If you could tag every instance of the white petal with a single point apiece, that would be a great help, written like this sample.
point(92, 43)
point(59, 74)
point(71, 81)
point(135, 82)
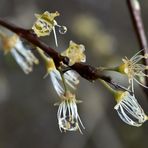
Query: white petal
point(20, 60)
point(70, 79)
point(140, 83)
point(70, 119)
point(72, 76)
point(26, 53)
point(56, 84)
point(130, 111)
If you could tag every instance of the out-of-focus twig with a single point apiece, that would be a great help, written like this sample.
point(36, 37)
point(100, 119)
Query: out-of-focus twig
point(135, 12)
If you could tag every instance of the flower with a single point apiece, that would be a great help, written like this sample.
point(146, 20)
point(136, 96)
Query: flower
point(129, 109)
point(23, 56)
point(133, 69)
point(75, 53)
point(70, 78)
point(68, 117)
point(60, 81)
point(46, 23)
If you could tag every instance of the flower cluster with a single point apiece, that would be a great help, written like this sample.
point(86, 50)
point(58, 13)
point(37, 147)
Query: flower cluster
point(65, 82)
point(127, 106)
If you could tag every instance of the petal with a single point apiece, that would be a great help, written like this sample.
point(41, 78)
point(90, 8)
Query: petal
point(20, 60)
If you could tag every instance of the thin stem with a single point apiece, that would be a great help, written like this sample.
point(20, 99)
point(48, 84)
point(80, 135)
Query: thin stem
point(41, 52)
point(108, 68)
point(113, 91)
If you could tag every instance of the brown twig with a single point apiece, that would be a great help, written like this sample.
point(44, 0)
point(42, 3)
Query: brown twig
point(88, 72)
point(135, 12)
point(32, 38)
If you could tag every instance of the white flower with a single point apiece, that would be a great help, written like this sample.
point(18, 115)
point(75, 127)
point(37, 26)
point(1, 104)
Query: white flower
point(68, 117)
point(133, 69)
point(23, 56)
point(129, 109)
point(70, 78)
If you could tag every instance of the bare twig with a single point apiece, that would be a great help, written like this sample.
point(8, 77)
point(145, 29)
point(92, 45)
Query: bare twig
point(32, 38)
point(88, 72)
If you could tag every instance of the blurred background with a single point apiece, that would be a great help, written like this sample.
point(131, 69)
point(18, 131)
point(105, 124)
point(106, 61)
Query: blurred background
point(27, 114)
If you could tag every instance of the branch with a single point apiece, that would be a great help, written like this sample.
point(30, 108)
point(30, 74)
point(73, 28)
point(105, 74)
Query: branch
point(88, 72)
point(32, 38)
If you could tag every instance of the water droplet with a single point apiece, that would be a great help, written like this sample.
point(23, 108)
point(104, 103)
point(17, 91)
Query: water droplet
point(68, 124)
point(62, 29)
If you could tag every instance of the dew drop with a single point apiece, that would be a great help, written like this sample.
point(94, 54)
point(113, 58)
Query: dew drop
point(68, 124)
point(62, 29)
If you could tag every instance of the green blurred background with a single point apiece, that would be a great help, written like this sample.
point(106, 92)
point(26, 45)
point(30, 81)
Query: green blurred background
point(27, 114)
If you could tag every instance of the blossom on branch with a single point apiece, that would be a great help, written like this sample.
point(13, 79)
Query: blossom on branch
point(129, 109)
point(60, 81)
point(70, 78)
point(68, 117)
point(46, 23)
point(133, 69)
point(23, 55)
